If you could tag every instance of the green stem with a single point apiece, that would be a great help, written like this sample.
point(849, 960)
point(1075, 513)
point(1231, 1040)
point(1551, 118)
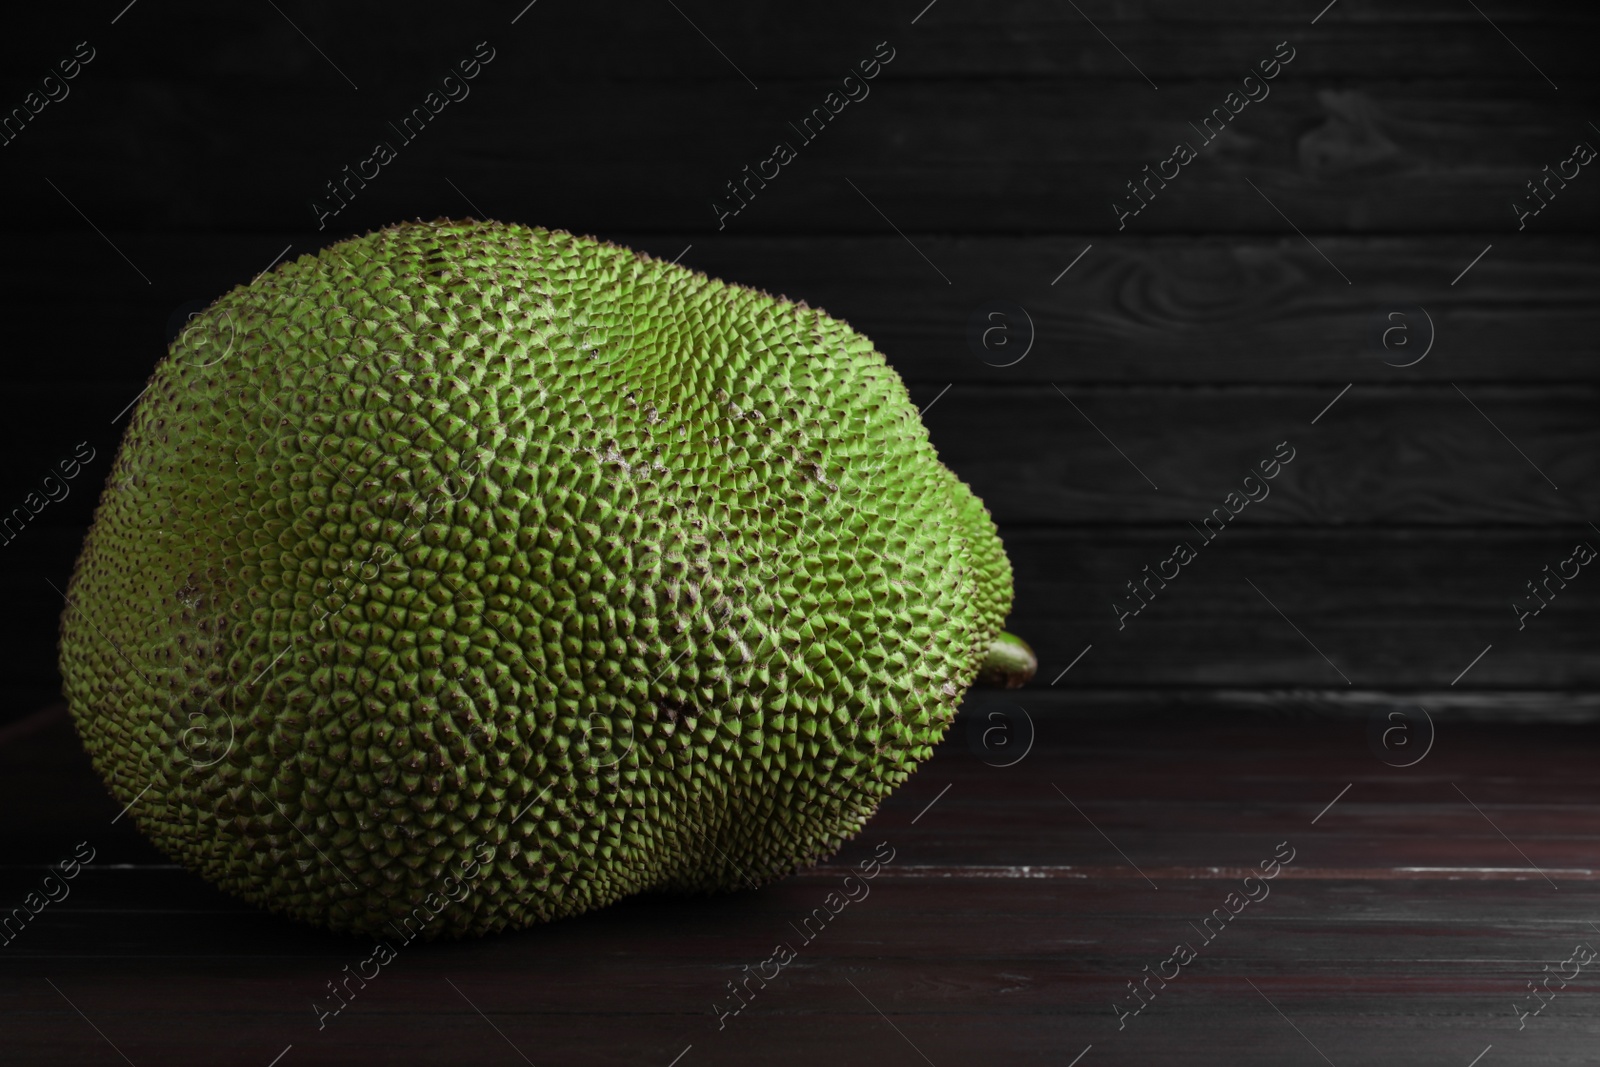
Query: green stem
point(1009, 663)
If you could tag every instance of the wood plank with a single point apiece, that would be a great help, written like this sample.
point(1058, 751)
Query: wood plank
point(1462, 703)
point(849, 1032)
point(1401, 609)
point(961, 961)
point(1136, 310)
point(1383, 456)
point(1384, 157)
point(381, 48)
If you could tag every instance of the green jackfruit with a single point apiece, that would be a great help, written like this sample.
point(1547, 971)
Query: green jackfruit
point(467, 575)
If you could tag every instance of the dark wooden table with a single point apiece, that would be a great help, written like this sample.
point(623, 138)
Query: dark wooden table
point(1019, 903)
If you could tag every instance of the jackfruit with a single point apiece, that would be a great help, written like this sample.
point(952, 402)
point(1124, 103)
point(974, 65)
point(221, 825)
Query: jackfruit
point(465, 575)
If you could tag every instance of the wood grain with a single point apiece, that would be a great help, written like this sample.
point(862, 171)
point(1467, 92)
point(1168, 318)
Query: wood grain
point(1410, 608)
point(1381, 455)
point(1134, 311)
point(382, 47)
point(996, 156)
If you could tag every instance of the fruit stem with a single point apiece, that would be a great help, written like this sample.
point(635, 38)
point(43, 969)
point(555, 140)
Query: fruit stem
point(1008, 664)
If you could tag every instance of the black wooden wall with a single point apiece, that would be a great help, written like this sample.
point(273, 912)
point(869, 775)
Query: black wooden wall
point(1371, 185)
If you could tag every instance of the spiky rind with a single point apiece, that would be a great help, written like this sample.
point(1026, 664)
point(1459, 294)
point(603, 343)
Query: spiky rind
point(469, 542)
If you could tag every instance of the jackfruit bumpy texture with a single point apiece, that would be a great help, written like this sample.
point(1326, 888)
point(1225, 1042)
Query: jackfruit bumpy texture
point(465, 575)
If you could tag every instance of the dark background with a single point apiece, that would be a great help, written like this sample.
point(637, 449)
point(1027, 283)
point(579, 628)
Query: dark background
point(1398, 139)
point(997, 139)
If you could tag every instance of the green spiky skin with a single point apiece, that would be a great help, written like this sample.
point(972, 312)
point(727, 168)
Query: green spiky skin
point(465, 543)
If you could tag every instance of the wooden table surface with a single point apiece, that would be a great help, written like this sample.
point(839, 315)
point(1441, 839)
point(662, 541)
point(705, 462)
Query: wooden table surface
point(1018, 903)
